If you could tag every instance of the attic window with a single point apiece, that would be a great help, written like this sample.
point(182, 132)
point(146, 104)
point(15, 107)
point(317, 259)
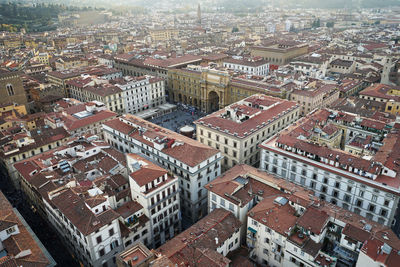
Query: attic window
point(10, 230)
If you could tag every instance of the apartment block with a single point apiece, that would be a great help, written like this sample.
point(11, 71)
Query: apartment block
point(157, 192)
point(83, 190)
point(194, 163)
point(283, 224)
point(315, 95)
point(258, 67)
point(359, 173)
point(20, 144)
point(79, 118)
point(238, 129)
point(206, 243)
point(19, 246)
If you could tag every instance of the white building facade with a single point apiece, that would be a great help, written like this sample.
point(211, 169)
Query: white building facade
point(194, 163)
point(141, 93)
point(157, 191)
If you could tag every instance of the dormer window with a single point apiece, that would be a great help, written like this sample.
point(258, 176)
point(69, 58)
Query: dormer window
point(10, 230)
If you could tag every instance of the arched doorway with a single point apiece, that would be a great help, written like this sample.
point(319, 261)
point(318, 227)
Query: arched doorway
point(185, 99)
point(195, 102)
point(213, 101)
point(179, 98)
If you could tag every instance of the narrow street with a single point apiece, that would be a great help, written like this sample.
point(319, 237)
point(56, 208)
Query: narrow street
point(42, 229)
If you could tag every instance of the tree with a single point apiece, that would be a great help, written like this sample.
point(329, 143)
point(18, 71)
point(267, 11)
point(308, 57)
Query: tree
point(235, 29)
point(316, 23)
point(330, 24)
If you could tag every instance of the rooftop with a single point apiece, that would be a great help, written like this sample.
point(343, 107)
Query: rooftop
point(202, 240)
point(298, 140)
point(180, 147)
point(248, 115)
point(23, 248)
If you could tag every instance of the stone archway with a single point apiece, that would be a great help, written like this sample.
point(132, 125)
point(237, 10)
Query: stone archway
point(195, 102)
point(180, 98)
point(213, 101)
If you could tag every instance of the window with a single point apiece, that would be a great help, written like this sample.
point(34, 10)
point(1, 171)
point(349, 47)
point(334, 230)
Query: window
point(101, 252)
point(266, 240)
point(231, 208)
point(386, 203)
point(111, 231)
point(265, 251)
point(213, 197)
point(374, 198)
point(10, 230)
point(114, 245)
point(384, 212)
point(371, 208)
point(10, 89)
point(349, 188)
point(254, 223)
point(98, 239)
point(222, 202)
point(312, 185)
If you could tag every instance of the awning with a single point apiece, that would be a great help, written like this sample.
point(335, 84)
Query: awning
point(252, 230)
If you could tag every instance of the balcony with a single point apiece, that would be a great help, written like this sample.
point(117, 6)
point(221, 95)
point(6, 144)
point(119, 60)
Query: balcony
point(132, 222)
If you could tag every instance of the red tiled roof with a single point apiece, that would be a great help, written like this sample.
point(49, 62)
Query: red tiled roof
point(313, 220)
point(200, 240)
point(75, 209)
point(242, 129)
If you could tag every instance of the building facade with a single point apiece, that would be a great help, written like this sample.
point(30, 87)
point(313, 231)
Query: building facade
point(195, 164)
point(363, 184)
point(251, 67)
point(12, 89)
point(157, 191)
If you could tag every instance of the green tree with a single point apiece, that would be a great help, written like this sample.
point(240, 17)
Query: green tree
point(330, 24)
point(316, 23)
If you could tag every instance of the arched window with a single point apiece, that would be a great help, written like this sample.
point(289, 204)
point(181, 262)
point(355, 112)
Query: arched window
point(10, 89)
